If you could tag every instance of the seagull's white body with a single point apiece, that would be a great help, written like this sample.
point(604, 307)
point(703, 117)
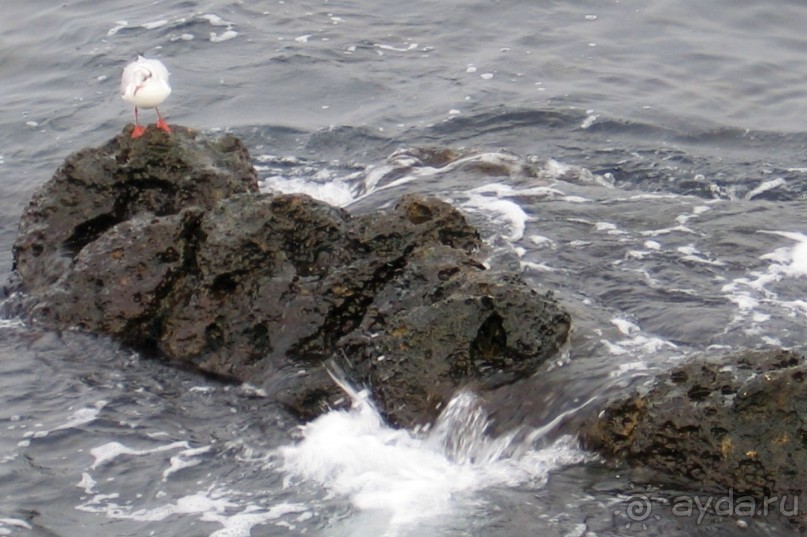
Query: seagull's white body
point(145, 84)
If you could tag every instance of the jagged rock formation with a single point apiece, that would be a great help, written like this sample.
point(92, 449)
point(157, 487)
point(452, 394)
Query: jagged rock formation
point(164, 243)
point(737, 422)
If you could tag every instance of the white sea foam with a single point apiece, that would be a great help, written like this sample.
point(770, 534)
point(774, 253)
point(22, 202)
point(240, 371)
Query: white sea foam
point(693, 255)
point(541, 241)
point(214, 20)
point(112, 450)
point(291, 175)
point(764, 187)
point(540, 267)
point(639, 347)
point(210, 506)
point(490, 200)
point(79, 417)
point(609, 228)
point(241, 524)
point(628, 328)
point(667, 231)
point(335, 192)
point(82, 416)
point(589, 121)
point(186, 459)
point(414, 478)
point(223, 36)
point(408, 48)
point(119, 25)
point(209, 503)
point(756, 290)
point(16, 522)
point(576, 199)
point(638, 254)
point(7, 526)
point(213, 503)
point(154, 24)
point(789, 261)
point(407, 167)
point(508, 214)
point(87, 483)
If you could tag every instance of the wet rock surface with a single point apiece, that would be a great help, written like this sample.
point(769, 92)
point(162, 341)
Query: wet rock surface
point(97, 188)
point(735, 423)
point(164, 243)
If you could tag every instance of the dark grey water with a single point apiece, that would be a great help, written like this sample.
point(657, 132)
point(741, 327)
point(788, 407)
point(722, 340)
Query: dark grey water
point(644, 160)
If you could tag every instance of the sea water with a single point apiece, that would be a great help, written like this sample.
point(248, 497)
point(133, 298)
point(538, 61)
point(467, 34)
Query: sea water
point(644, 161)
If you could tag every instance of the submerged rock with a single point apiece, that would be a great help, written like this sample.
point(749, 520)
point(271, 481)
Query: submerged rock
point(737, 423)
point(164, 243)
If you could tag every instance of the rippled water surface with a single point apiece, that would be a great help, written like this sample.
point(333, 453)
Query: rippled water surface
point(643, 160)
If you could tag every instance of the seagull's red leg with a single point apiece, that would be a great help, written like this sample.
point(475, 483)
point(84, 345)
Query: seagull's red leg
point(161, 124)
point(139, 129)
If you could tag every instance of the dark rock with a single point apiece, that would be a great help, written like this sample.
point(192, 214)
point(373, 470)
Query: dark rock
point(736, 423)
point(163, 243)
point(447, 321)
point(116, 283)
point(97, 188)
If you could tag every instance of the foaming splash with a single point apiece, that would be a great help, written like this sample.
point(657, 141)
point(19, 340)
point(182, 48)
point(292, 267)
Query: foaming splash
point(341, 183)
point(331, 183)
point(788, 261)
point(505, 215)
point(751, 292)
point(398, 478)
point(419, 163)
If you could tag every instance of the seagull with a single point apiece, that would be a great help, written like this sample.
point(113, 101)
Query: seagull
point(145, 84)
